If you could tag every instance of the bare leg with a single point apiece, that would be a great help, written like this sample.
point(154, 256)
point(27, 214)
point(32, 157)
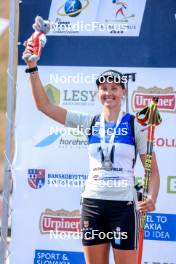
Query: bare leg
point(125, 256)
point(97, 254)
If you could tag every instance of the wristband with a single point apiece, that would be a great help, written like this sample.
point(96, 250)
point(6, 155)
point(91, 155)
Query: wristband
point(31, 70)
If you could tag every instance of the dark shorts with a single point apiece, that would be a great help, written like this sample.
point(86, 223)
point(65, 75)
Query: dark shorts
point(105, 221)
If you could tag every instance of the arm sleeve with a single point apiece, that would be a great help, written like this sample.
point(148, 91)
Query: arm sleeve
point(78, 120)
point(140, 137)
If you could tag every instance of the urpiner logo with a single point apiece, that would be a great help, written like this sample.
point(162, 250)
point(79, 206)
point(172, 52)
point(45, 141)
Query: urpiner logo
point(60, 221)
point(72, 8)
point(143, 96)
point(36, 178)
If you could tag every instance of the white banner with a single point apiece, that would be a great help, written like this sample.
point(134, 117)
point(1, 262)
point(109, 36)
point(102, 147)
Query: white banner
point(96, 17)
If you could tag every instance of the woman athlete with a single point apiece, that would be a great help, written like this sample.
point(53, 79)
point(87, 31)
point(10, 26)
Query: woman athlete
point(110, 210)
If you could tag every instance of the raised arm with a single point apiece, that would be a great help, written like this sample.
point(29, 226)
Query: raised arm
point(41, 99)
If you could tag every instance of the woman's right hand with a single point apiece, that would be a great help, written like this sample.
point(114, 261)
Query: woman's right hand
point(29, 49)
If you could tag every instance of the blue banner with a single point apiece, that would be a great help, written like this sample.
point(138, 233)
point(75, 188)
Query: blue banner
point(58, 257)
point(160, 227)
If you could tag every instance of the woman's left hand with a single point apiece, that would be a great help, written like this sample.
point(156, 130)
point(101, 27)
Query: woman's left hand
point(147, 206)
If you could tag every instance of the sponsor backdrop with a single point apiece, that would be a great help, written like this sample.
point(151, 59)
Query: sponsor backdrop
point(50, 166)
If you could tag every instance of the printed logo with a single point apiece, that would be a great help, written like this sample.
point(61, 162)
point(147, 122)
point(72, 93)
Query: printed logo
point(72, 8)
point(143, 96)
point(121, 11)
point(60, 221)
point(36, 178)
point(48, 140)
point(70, 97)
point(79, 97)
point(58, 257)
point(117, 237)
point(53, 93)
point(129, 203)
point(160, 227)
point(165, 142)
point(105, 18)
point(66, 180)
point(171, 184)
point(125, 18)
point(65, 17)
point(74, 143)
point(86, 224)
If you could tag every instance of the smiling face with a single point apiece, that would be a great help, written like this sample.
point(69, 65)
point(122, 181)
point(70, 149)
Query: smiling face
point(110, 94)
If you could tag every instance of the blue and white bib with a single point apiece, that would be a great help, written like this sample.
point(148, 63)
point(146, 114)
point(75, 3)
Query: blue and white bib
point(117, 183)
